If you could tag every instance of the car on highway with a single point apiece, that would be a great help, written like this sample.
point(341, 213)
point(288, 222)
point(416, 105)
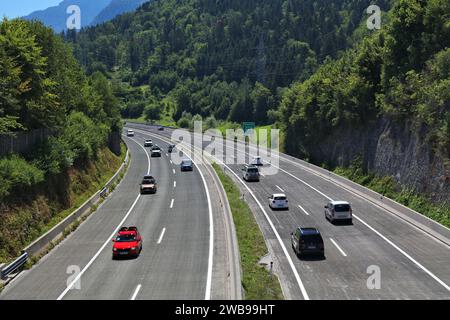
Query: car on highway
point(250, 173)
point(278, 201)
point(130, 133)
point(148, 143)
point(257, 161)
point(127, 243)
point(187, 165)
point(156, 152)
point(160, 128)
point(307, 241)
point(339, 211)
point(171, 148)
point(148, 185)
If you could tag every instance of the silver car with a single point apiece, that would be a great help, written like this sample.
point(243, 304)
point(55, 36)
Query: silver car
point(338, 211)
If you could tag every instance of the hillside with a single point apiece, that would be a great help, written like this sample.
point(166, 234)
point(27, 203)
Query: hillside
point(385, 103)
point(43, 86)
point(56, 17)
point(340, 93)
point(208, 55)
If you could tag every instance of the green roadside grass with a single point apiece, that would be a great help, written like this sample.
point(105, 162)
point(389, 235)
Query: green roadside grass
point(256, 280)
point(388, 187)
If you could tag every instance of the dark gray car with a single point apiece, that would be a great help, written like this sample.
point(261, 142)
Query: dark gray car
point(250, 173)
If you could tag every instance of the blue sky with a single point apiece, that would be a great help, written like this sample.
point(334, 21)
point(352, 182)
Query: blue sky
point(19, 8)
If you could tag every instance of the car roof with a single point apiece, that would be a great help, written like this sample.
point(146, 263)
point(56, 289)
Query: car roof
point(279, 195)
point(339, 202)
point(309, 231)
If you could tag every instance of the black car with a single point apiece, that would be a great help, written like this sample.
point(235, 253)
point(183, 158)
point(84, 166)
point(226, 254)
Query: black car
point(187, 165)
point(171, 147)
point(161, 129)
point(156, 152)
point(307, 241)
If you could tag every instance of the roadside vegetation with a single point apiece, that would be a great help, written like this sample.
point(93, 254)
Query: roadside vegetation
point(43, 86)
point(388, 187)
point(256, 280)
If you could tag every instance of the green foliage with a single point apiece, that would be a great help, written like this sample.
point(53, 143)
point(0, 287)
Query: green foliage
point(79, 140)
point(225, 59)
point(400, 73)
point(16, 173)
point(154, 111)
point(388, 187)
point(257, 283)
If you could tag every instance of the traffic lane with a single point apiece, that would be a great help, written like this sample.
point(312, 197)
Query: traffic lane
point(336, 277)
point(179, 266)
point(401, 278)
point(116, 279)
point(440, 250)
point(48, 278)
point(431, 253)
point(119, 279)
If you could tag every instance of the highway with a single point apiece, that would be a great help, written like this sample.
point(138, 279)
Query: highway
point(176, 225)
point(412, 264)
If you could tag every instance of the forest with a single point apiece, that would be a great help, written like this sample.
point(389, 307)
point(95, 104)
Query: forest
point(43, 86)
point(229, 59)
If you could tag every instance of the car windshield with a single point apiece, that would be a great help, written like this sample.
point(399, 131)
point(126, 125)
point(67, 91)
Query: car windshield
point(156, 149)
point(280, 198)
point(316, 238)
point(186, 163)
point(252, 170)
point(342, 208)
point(126, 238)
point(148, 181)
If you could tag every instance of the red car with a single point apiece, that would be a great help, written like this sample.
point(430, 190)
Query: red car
point(128, 243)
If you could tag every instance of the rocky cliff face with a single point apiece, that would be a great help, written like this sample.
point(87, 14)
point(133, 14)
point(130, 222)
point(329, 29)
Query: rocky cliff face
point(390, 149)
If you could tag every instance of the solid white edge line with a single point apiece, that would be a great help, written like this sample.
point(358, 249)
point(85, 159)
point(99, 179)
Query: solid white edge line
point(162, 235)
point(77, 278)
point(138, 288)
point(306, 212)
point(339, 248)
point(280, 241)
point(404, 253)
point(371, 228)
point(211, 222)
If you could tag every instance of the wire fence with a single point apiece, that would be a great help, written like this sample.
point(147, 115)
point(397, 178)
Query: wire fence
point(23, 142)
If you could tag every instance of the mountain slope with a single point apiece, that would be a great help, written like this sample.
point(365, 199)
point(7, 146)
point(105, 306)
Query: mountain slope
point(115, 8)
point(56, 17)
point(208, 55)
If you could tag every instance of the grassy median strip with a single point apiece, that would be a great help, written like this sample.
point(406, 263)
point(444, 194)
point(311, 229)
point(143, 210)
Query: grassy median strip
point(256, 280)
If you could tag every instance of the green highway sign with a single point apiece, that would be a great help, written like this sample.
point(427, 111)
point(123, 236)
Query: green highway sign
point(246, 126)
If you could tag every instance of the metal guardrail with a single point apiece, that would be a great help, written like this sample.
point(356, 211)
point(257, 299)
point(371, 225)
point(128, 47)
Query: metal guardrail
point(13, 266)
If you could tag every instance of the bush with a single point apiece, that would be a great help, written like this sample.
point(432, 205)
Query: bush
point(184, 123)
point(16, 172)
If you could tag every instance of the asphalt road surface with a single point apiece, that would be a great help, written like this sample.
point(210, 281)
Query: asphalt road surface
point(411, 263)
point(174, 223)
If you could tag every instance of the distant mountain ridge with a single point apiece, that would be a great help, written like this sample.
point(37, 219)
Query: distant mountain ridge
point(92, 12)
point(115, 8)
